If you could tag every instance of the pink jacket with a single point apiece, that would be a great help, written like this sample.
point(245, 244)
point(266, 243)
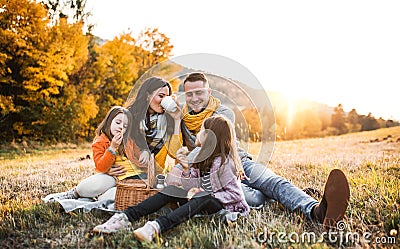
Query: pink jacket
point(226, 186)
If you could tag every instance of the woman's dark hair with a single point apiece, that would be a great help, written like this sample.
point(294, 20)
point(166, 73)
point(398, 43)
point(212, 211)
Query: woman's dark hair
point(105, 125)
point(220, 136)
point(139, 109)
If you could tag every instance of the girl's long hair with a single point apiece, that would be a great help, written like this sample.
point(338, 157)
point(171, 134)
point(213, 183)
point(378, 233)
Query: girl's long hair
point(105, 125)
point(139, 109)
point(220, 135)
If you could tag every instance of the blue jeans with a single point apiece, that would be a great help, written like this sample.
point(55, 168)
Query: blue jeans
point(267, 185)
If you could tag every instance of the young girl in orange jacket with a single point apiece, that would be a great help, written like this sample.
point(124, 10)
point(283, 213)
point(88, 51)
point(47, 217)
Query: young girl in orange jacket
point(121, 152)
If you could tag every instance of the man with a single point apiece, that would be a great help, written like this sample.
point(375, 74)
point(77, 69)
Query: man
point(264, 184)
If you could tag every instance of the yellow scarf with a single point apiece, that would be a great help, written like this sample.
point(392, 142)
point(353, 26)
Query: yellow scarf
point(194, 122)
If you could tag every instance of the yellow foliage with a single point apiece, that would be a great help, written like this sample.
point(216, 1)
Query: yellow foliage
point(7, 105)
point(89, 108)
point(21, 130)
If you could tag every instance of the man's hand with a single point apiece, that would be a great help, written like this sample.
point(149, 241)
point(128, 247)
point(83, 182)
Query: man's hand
point(116, 170)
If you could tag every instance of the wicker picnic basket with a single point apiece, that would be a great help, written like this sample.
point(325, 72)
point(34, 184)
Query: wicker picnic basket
point(133, 191)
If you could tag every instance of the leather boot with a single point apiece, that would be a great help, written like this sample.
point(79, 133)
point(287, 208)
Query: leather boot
point(334, 202)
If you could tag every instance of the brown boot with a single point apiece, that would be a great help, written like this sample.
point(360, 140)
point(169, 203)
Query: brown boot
point(334, 202)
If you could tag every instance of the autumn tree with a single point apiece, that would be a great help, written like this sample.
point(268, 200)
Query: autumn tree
point(368, 122)
point(39, 59)
point(155, 42)
point(305, 123)
point(73, 10)
point(338, 119)
point(118, 64)
point(253, 123)
point(22, 37)
point(112, 73)
point(74, 105)
point(392, 123)
point(268, 124)
point(56, 82)
point(353, 120)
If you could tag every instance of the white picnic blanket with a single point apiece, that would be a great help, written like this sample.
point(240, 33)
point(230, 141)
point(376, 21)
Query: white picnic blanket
point(105, 203)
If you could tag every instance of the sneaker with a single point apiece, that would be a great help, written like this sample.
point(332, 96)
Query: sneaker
point(116, 223)
point(334, 202)
point(70, 194)
point(147, 232)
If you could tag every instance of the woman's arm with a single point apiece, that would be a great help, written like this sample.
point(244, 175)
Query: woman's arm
point(173, 145)
point(175, 141)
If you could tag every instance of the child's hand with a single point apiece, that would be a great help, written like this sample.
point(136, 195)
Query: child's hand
point(242, 176)
point(182, 159)
point(116, 141)
point(192, 192)
point(182, 150)
point(144, 157)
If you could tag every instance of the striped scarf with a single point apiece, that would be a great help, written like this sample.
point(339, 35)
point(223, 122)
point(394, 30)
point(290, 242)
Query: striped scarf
point(155, 131)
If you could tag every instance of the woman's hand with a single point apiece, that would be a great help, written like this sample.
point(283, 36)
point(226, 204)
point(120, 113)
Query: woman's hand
point(176, 115)
point(144, 157)
point(116, 170)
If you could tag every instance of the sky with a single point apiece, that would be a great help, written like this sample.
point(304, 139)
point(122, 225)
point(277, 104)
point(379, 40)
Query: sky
point(331, 52)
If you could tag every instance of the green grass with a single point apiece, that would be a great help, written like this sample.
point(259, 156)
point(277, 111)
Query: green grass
point(371, 162)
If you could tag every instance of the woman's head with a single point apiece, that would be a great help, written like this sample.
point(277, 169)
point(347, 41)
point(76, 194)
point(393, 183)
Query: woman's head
point(216, 138)
point(149, 96)
point(117, 120)
point(148, 101)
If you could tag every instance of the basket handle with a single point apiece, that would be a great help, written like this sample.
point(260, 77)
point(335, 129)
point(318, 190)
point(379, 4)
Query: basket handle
point(151, 171)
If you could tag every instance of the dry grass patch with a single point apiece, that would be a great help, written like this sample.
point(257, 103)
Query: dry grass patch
point(371, 160)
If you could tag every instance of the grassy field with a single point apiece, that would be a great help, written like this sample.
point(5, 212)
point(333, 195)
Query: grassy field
point(371, 160)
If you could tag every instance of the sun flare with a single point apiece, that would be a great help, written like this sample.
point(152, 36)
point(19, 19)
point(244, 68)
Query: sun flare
point(291, 99)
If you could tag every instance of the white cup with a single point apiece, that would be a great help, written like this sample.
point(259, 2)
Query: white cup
point(169, 104)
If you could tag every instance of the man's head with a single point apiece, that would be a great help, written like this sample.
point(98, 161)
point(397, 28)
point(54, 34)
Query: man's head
point(197, 91)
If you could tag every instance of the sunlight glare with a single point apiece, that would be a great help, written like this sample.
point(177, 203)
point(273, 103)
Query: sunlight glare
point(291, 99)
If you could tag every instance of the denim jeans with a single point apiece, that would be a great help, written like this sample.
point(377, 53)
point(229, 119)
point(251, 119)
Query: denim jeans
point(267, 185)
point(200, 203)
